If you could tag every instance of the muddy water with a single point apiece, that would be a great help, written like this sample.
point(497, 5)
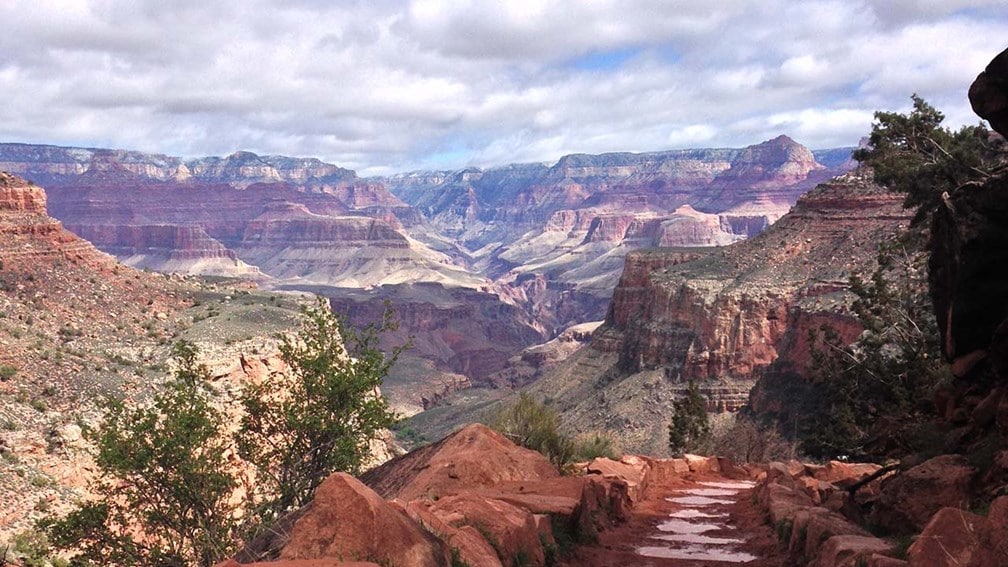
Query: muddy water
point(698, 529)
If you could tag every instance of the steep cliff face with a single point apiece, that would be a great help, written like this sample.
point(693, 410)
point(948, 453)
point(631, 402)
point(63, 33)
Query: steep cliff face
point(720, 316)
point(574, 222)
point(167, 248)
point(30, 236)
point(539, 246)
point(55, 165)
point(468, 331)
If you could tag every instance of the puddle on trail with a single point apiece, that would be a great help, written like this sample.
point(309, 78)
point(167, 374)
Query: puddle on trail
point(686, 534)
point(696, 553)
point(698, 501)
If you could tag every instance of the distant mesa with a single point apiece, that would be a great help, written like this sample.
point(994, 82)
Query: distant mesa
point(482, 263)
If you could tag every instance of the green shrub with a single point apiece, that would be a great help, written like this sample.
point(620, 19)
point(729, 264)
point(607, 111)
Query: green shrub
point(7, 372)
point(588, 447)
point(532, 425)
point(300, 427)
point(690, 428)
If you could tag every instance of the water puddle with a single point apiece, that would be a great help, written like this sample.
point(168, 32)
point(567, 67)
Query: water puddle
point(740, 485)
point(698, 501)
point(687, 513)
point(699, 539)
point(696, 553)
point(684, 527)
point(698, 530)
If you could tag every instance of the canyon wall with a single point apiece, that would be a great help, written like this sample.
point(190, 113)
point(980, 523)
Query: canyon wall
point(720, 316)
point(535, 248)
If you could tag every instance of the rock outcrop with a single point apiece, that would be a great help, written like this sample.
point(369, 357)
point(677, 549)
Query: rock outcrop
point(575, 221)
point(31, 238)
point(721, 316)
point(473, 497)
point(989, 93)
point(347, 520)
point(537, 248)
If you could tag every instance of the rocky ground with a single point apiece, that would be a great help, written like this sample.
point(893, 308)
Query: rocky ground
point(476, 499)
point(76, 326)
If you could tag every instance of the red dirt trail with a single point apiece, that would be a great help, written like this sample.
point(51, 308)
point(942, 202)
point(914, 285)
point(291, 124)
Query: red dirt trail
point(700, 521)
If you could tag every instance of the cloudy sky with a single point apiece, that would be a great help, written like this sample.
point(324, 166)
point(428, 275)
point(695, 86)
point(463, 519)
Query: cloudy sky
point(382, 86)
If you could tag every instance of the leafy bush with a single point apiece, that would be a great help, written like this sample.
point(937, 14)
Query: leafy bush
point(161, 468)
point(7, 372)
point(535, 426)
point(300, 427)
point(913, 154)
point(887, 377)
point(166, 494)
point(588, 447)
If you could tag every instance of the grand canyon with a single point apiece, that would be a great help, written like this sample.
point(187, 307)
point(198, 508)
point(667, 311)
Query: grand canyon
point(478, 265)
point(692, 354)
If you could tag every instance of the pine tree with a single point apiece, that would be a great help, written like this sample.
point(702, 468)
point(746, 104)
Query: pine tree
point(690, 428)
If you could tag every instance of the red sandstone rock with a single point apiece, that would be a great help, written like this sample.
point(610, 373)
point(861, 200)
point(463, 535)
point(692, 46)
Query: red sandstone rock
point(998, 514)
point(836, 471)
point(472, 547)
point(634, 473)
point(511, 530)
point(475, 456)
point(349, 521)
point(702, 465)
point(603, 503)
point(847, 550)
point(908, 500)
point(876, 560)
point(955, 537)
point(663, 470)
point(781, 502)
point(19, 196)
point(812, 527)
point(299, 563)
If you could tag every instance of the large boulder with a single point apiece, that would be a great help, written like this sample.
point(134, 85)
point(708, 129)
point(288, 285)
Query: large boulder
point(836, 472)
point(632, 470)
point(850, 550)
point(989, 93)
point(474, 456)
point(465, 541)
point(908, 500)
point(349, 521)
point(955, 537)
point(512, 531)
point(812, 527)
point(603, 503)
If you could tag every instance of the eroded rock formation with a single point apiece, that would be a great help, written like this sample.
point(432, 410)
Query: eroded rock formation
point(721, 316)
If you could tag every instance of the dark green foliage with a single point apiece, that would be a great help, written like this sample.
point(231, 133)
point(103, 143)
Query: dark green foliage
point(7, 372)
point(690, 428)
point(161, 468)
point(535, 426)
point(913, 154)
point(300, 427)
point(32, 549)
point(166, 492)
point(882, 384)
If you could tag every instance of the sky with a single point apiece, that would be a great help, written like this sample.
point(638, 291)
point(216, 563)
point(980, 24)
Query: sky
point(385, 86)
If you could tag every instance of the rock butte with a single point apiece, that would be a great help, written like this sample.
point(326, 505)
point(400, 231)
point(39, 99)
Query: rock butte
point(529, 249)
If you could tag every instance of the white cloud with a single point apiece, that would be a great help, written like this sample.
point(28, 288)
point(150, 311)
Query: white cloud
point(395, 85)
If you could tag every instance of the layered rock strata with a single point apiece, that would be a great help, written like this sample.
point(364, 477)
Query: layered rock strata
point(720, 316)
